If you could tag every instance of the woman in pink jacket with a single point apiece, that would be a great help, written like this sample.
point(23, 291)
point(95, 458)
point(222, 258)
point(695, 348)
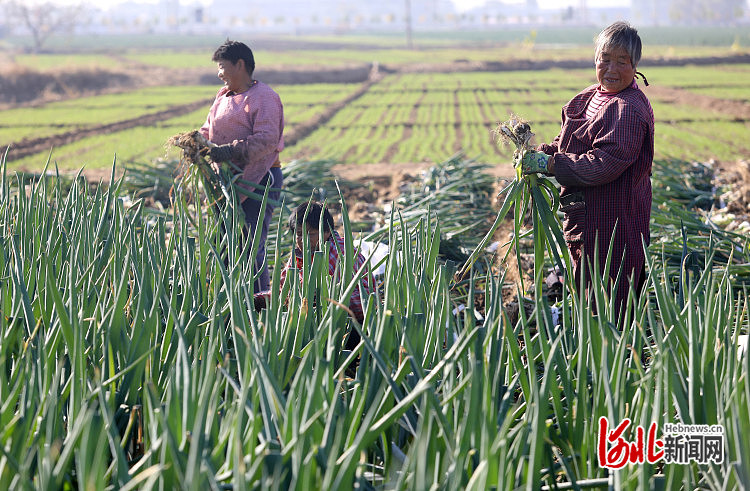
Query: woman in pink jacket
point(246, 122)
point(602, 158)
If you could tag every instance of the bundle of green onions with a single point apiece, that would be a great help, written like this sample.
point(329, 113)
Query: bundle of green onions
point(533, 194)
point(684, 229)
point(221, 182)
point(195, 169)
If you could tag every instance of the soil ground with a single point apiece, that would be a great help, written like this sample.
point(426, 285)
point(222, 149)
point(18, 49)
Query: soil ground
point(736, 177)
point(736, 109)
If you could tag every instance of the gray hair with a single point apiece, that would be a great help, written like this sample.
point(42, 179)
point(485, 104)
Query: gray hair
point(620, 35)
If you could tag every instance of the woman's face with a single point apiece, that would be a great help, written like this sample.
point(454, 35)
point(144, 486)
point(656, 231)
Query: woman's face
point(233, 74)
point(614, 69)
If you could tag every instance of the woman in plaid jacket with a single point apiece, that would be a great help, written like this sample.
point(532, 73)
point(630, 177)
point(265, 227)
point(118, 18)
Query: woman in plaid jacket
point(602, 158)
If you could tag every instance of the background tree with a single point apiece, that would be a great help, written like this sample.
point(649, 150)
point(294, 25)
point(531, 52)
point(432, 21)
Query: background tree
point(42, 19)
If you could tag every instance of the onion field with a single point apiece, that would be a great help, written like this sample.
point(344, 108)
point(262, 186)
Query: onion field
point(132, 355)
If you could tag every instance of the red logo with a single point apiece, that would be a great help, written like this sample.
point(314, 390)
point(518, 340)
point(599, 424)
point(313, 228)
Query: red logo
point(620, 452)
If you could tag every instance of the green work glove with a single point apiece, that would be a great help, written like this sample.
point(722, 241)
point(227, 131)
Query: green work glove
point(221, 153)
point(534, 162)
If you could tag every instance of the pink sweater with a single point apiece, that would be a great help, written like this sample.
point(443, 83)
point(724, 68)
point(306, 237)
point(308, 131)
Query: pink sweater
point(252, 121)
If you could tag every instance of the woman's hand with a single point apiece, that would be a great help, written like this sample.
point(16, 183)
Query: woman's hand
point(536, 162)
point(221, 153)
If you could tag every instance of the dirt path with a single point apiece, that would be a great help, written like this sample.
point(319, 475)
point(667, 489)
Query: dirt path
point(458, 145)
point(302, 130)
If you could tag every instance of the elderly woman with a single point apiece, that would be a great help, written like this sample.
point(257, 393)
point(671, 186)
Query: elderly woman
point(602, 158)
point(246, 122)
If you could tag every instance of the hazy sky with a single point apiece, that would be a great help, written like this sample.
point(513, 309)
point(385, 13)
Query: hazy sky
point(548, 4)
point(460, 4)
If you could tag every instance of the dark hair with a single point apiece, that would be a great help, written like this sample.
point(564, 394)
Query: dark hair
point(313, 217)
point(620, 35)
point(234, 51)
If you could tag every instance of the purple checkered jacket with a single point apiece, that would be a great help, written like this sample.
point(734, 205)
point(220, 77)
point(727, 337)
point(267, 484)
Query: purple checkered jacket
point(604, 167)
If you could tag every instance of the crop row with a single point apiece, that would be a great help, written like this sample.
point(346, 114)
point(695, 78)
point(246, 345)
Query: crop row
point(530, 80)
point(144, 143)
point(127, 145)
point(411, 124)
point(63, 116)
point(699, 76)
point(380, 124)
point(132, 358)
point(409, 104)
point(725, 140)
point(720, 81)
point(664, 109)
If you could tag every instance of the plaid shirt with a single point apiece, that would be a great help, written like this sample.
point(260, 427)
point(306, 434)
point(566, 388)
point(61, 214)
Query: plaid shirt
point(336, 249)
point(607, 160)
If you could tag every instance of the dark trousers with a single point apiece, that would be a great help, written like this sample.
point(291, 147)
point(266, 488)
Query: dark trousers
point(251, 207)
point(578, 255)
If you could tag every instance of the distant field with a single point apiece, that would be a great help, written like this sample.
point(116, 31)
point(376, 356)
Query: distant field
point(50, 62)
point(145, 143)
point(491, 44)
point(59, 117)
point(201, 58)
point(695, 36)
point(404, 118)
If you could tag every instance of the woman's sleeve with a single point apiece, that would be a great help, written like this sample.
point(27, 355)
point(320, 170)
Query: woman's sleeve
point(549, 148)
point(204, 130)
point(617, 142)
point(268, 125)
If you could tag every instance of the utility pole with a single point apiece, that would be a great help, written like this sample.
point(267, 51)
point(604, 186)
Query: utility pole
point(409, 44)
